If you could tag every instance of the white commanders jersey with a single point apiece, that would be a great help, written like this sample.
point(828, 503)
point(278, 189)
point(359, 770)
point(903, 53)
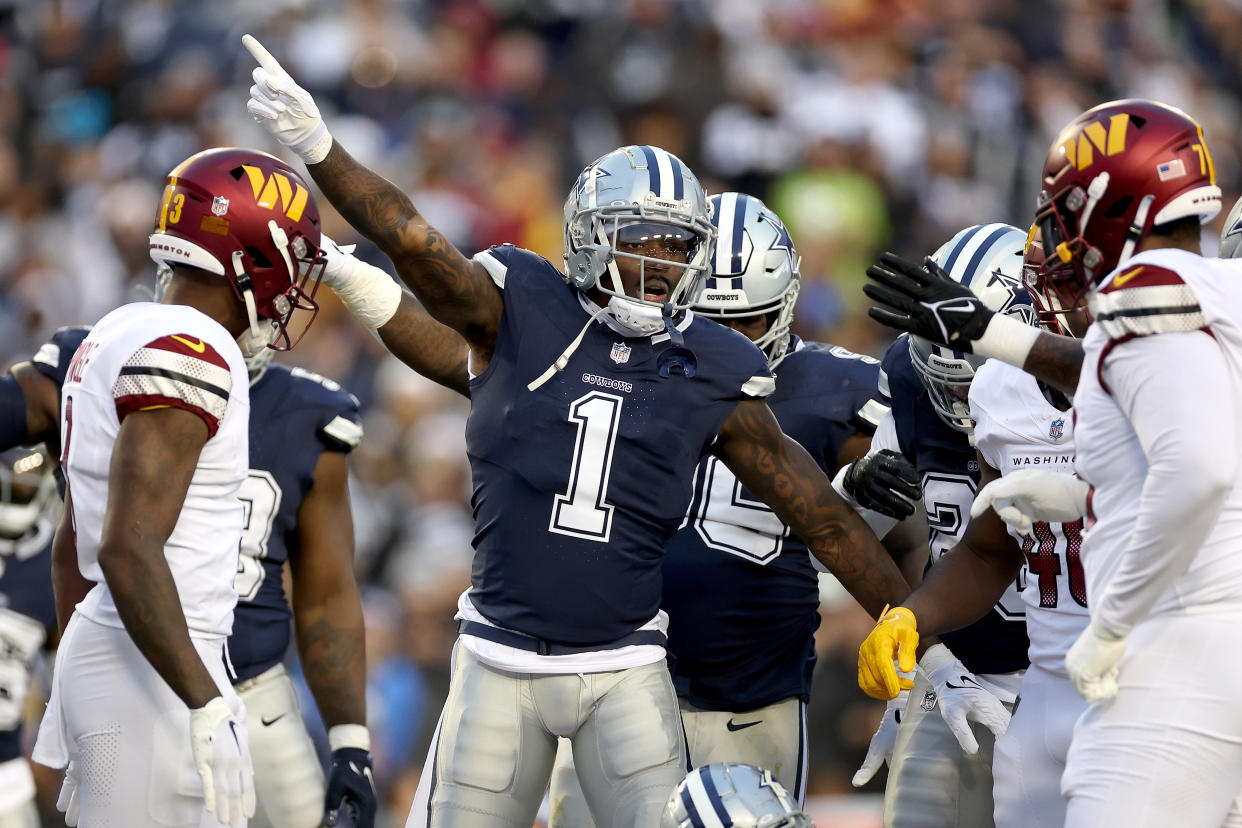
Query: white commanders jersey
point(1017, 428)
point(1158, 405)
point(147, 355)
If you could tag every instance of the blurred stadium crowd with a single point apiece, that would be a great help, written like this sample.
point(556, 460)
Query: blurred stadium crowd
point(866, 124)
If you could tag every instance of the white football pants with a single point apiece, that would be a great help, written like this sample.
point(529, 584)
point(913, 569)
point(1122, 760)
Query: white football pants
point(492, 754)
point(288, 778)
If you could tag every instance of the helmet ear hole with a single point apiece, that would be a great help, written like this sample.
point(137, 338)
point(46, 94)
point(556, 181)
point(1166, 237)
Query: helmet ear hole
point(256, 256)
point(1120, 207)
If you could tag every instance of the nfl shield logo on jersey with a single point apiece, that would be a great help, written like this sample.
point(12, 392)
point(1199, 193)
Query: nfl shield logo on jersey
point(620, 353)
point(1057, 429)
point(219, 206)
point(929, 701)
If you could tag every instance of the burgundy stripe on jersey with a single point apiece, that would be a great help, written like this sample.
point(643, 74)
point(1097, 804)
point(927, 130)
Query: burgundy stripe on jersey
point(1143, 300)
point(178, 371)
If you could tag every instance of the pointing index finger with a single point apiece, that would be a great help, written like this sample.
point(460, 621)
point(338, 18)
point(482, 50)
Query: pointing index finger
point(261, 54)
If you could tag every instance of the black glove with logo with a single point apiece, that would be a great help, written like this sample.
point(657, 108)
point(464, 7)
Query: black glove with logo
point(884, 482)
point(351, 784)
point(926, 301)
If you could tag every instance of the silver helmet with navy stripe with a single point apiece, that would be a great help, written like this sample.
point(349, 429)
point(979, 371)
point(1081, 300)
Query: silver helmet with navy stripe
point(987, 258)
point(631, 196)
point(732, 794)
point(27, 492)
point(754, 270)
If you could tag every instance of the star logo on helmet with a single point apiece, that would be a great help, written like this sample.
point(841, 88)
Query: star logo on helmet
point(782, 239)
point(1017, 302)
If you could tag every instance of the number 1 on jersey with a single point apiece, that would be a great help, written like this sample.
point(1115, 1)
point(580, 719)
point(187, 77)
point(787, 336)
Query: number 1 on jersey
point(583, 511)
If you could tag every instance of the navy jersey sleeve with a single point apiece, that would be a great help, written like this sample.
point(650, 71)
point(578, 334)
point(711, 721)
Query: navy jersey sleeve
point(52, 359)
point(339, 427)
point(873, 410)
point(861, 385)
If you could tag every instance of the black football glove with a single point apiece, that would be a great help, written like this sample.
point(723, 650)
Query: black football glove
point(351, 783)
point(924, 300)
point(884, 482)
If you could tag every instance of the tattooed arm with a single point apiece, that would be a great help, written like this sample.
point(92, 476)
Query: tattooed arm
point(456, 290)
point(327, 611)
point(1057, 360)
point(781, 474)
point(153, 461)
point(431, 349)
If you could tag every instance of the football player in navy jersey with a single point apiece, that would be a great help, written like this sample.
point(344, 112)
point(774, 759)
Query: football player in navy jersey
point(941, 761)
point(595, 395)
point(29, 510)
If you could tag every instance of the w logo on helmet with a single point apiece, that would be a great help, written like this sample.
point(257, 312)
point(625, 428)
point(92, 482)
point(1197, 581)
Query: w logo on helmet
point(277, 191)
point(1080, 149)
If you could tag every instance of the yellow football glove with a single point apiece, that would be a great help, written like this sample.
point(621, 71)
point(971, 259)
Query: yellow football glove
point(894, 638)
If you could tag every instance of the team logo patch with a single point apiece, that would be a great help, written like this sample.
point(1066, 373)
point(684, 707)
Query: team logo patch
point(1057, 429)
point(929, 701)
point(620, 353)
point(219, 205)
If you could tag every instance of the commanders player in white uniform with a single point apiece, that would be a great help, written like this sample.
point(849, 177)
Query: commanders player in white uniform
point(154, 420)
point(1126, 187)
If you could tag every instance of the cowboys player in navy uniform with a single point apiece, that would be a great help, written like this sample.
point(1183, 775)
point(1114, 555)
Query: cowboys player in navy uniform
point(29, 512)
point(594, 396)
point(940, 763)
point(302, 426)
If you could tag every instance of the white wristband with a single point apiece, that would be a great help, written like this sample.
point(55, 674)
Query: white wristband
point(937, 656)
point(370, 294)
point(319, 150)
point(1007, 339)
point(349, 736)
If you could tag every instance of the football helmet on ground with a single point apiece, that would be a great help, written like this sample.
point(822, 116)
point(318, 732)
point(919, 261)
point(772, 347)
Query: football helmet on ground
point(637, 195)
point(732, 794)
point(249, 217)
point(1115, 172)
point(986, 258)
point(754, 270)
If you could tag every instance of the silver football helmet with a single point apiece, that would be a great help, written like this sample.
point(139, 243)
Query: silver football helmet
point(636, 194)
point(754, 270)
point(1231, 233)
point(732, 794)
point(987, 258)
point(27, 490)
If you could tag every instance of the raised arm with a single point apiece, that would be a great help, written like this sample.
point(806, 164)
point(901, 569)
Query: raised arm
point(455, 290)
point(781, 474)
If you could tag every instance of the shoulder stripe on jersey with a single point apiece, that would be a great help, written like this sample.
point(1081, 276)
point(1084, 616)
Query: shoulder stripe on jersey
point(494, 267)
point(174, 376)
point(190, 346)
point(344, 430)
point(873, 411)
point(1147, 310)
point(759, 386)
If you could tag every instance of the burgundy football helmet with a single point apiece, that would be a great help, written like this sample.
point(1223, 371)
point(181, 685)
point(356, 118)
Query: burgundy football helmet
point(249, 217)
point(1112, 174)
point(1060, 308)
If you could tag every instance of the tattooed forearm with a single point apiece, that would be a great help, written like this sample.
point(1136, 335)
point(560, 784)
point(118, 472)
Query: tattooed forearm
point(334, 662)
point(453, 288)
point(1057, 360)
point(781, 473)
point(433, 350)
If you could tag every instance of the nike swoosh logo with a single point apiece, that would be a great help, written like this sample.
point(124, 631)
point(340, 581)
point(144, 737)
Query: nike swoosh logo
point(733, 728)
point(269, 722)
point(1121, 278)
point(966, 683)
point(197, 347)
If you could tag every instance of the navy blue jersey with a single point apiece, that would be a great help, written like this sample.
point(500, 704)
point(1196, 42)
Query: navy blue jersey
point(27, 620)
point(578, 484)
point(741, 592)
point(295, 415)
point(52, 361)
point(949, 467)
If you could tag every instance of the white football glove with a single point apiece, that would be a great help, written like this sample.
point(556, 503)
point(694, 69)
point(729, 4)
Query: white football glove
point(285, 109)
point(1092, 662)
point(222, 759)
point(67, 803)
point(961, 698)
point(368, 292)
point(1024, 497)
point(880, 751)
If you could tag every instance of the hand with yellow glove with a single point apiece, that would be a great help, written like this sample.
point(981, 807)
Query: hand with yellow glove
point(894, 638)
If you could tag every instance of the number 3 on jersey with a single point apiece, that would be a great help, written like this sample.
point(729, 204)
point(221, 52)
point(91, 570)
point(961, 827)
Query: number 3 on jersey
point(583, 510)
point(260, 495)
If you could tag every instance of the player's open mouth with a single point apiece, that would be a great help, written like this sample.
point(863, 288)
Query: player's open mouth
point(655, 290)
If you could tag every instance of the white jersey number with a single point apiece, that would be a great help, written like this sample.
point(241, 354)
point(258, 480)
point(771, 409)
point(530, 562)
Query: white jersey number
point(731, 522)
point(583, 510)
point(260, 496)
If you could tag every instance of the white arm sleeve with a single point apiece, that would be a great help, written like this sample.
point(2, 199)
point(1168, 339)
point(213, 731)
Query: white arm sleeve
point(885, 437)
point(1167, 385)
